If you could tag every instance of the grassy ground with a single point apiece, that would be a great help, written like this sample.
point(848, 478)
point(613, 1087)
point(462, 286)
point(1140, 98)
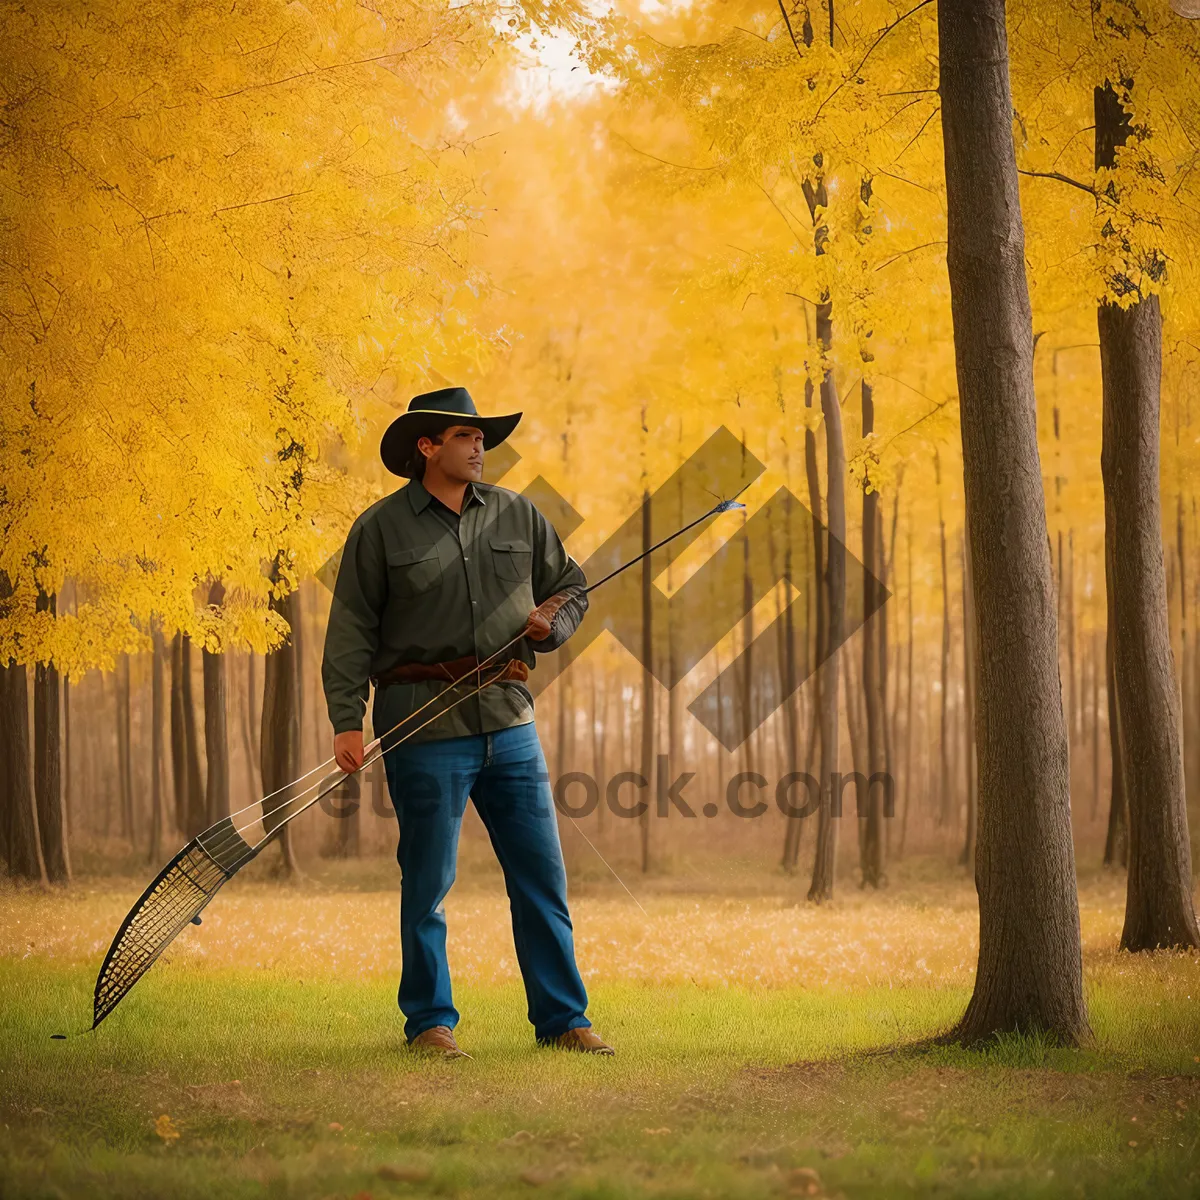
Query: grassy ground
point(264, 1056)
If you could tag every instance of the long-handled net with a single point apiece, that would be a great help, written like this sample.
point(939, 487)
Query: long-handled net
point(193, 877)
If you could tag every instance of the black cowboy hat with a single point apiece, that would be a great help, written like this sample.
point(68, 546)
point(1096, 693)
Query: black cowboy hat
point(431, 412)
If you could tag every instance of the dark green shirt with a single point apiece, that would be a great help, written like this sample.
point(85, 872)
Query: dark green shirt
point(419, 583)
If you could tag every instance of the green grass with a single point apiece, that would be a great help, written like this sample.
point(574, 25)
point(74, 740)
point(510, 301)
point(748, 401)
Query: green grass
point(282, 1084)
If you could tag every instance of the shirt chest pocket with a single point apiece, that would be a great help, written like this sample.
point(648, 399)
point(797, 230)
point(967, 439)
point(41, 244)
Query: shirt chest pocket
point(511, 560)
point(413, 570)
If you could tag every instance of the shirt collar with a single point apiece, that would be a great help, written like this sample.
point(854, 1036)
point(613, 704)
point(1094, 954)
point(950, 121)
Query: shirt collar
point(419, 496)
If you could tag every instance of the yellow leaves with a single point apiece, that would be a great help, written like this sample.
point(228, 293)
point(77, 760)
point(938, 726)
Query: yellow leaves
point(189, 273)
point(164, 1129)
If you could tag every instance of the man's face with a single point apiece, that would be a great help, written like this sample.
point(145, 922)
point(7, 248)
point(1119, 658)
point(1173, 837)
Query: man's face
point(460, 455)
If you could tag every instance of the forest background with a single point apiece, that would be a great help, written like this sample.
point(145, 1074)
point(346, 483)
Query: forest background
point(236, 241)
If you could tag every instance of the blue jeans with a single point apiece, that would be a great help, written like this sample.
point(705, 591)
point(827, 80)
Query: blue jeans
point(505, 775)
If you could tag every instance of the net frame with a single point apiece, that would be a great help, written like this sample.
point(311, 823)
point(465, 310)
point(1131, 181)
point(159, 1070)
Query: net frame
point(175, 898)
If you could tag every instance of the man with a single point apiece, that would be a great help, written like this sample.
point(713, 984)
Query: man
point(434, 580)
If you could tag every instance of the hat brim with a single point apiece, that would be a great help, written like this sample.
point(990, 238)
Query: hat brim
point(401, 436)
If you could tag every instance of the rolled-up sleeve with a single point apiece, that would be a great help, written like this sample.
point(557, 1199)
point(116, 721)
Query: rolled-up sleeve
point(554, 571)
point(353, 633)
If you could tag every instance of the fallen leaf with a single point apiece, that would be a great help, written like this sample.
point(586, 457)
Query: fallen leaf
point(335, 1127)
point(165, 1128)
point(518, 1139)
point(656, 1132)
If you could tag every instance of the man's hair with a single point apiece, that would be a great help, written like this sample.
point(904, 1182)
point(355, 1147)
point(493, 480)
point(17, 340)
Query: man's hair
point(416, 464)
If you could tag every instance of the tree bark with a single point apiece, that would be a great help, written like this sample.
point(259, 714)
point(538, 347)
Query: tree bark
point(124, 748)
point(1030, 970)
point(873, 669)
point(23, 841)
point(179, 774)
point(825, 859)
point(216, 732)
point(1158, 904)
point(280, 737)
point(196, 810)
point(157, 757)
point(47, 763)
point(908, 703)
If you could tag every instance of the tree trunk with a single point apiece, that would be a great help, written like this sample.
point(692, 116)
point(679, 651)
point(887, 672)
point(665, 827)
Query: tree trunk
point(157, 763)
point(216, 735)
point(47, 763)
point(179, 774)
point(23, 841)
point(648, 763)
point(908, 702)
point(1030, 971)
point(873, 668)
point(196, 809)
point(280, 737)
point(124, 748)
point(825, 861)
point(68, 761)
point(1158, 905)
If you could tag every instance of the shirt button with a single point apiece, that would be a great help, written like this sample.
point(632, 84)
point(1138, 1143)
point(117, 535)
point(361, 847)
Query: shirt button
point(474, 601)
point(466, 558)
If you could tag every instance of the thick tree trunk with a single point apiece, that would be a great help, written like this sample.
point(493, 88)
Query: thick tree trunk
point(873, 669)
point(157, 757)
point(216, 735)
point(1158, 905)
point(47, 764)
point(23, 841)
point(280, 737)
point(1030, 971)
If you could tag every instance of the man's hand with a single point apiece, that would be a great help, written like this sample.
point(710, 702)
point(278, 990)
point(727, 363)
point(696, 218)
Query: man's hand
point(538, 626)
point(348, 750)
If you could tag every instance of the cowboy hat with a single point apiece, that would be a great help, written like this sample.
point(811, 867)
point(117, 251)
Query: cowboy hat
point(431, 412)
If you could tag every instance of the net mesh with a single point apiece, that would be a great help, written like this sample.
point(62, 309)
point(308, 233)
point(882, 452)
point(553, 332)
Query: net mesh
point(177, 896)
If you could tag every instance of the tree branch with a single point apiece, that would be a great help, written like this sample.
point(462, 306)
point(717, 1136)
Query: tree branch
point(1083, 187)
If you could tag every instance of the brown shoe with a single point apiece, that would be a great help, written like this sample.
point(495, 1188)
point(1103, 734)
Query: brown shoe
point(584, 1039)
point(437, 1041)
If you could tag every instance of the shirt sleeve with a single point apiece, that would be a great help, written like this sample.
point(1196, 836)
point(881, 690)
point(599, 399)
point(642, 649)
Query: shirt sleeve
point(353, 633)
point(554, 570)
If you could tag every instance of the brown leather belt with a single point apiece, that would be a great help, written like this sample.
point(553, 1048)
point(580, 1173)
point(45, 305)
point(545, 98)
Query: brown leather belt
point(453, 671)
